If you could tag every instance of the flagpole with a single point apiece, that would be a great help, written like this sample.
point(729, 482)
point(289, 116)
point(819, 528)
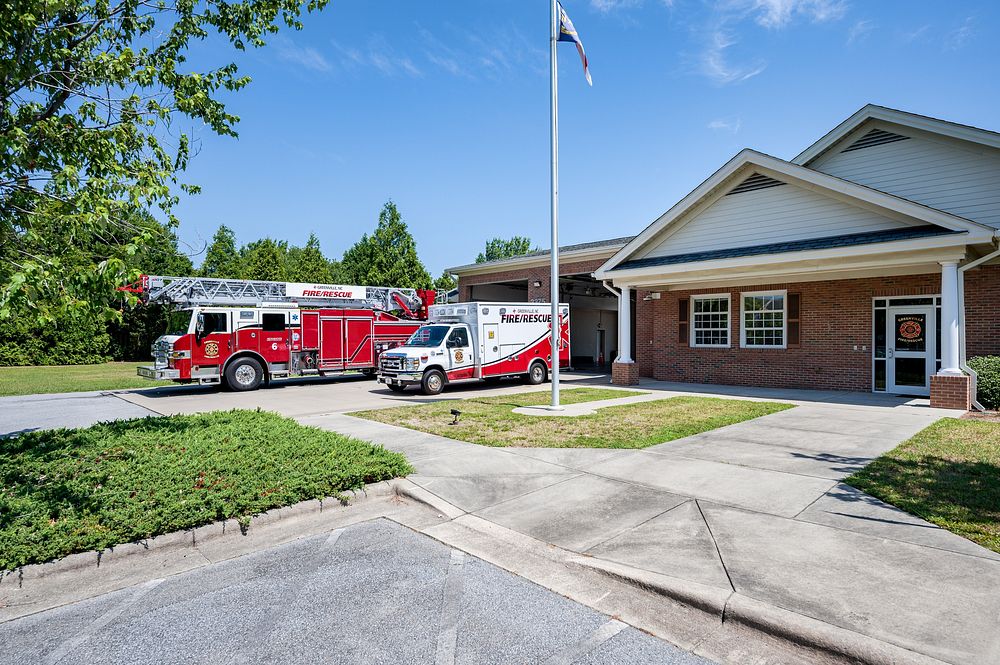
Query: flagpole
point(554, 177)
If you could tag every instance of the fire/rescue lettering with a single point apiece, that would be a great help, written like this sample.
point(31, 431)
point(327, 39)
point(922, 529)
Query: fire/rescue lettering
point(313, 293)
point(525, 318)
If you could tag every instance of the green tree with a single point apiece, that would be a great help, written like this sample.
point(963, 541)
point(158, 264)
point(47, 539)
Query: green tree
point(498, 248)
point(93, 96)
point(388, 257)
point(221, 259)
point(446, 282)
point(307, 264)
point(264, 259)
point(141, 323)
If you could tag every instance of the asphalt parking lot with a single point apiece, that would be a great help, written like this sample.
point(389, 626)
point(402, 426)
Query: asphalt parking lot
point(374, 592)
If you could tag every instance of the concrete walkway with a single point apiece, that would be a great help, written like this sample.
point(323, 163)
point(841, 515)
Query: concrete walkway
point(750, 513)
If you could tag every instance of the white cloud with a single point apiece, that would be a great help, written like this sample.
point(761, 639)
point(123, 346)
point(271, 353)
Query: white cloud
point(961, 35)
point(859, 31)
point(606, 6)
point(305, 57)
point(915, 34)
point(717, 66)
point(379, 55)
point(779, 13)
point(731, 125)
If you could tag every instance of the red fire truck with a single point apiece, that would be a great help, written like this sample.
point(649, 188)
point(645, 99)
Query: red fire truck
point(243, 333)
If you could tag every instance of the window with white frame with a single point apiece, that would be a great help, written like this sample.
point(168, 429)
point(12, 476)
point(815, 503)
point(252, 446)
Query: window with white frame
point(763, 323)
point(710, 320)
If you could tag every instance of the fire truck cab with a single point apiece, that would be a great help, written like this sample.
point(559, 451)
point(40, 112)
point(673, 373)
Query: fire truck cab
point(476, 340)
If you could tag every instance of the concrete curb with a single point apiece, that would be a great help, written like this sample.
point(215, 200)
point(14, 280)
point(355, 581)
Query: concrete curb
point(819, 635)
point(413, 491)
point(187, 538)
point(733, 607)
point(700, 596)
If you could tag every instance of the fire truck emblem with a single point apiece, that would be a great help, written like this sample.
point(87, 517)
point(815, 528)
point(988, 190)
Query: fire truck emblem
point(910, 329)
point(459, 356)
point(211, 349)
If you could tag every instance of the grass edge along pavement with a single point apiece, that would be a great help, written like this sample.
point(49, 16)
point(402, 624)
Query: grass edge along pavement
point(48, 379)
point(490, 421)
point(76, 490)
point(948, 474)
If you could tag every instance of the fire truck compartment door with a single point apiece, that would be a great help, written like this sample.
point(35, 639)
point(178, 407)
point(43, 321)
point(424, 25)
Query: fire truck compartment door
point(490, 342)
point(274, 337)
point(359, 342)
point(331, 339)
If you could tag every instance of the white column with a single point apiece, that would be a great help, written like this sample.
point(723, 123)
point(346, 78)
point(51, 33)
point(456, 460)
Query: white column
point(949, 319)
point(625, 325)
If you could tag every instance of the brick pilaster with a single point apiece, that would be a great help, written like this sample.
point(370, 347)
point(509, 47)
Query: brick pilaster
point(624, 374)
point(951, 392)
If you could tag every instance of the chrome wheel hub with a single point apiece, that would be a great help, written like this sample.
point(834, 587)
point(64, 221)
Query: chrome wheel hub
point(246, 375)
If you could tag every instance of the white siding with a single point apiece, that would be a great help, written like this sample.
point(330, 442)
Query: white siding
point(775, 214)
point(938, 173)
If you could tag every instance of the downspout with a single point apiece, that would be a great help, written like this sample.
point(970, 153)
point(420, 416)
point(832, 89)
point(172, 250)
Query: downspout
point(961, 321)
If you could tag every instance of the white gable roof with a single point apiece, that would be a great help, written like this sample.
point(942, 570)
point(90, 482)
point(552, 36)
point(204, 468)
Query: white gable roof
point(845, 207)
point(921, 122)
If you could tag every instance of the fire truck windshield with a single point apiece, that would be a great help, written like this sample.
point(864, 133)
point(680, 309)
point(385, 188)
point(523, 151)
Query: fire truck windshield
point(428, 336)
point(179, 322)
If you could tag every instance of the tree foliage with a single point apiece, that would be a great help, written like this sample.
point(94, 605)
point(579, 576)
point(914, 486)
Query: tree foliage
point(221, 258)
point(446, 282)
point(388, 257)
point(91, 95)
point(498, 248)
point(264, 259)
point(307, 264)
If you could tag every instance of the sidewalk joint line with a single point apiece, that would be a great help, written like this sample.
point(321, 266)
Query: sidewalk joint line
point(719, 552)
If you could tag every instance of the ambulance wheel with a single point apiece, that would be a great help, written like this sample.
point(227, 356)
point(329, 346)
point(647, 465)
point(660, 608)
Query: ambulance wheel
point(537, 373)
point(244, 374)
point(396, 388)
point(433, 382)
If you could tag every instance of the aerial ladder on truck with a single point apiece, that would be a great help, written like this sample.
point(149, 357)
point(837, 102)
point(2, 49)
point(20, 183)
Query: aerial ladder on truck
point(243, 333)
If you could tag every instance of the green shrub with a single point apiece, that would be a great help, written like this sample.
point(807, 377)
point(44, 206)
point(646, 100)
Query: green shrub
point(67, 341)
point(988, 384)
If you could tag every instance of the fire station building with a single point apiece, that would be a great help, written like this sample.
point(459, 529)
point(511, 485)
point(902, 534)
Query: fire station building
point(869, 262)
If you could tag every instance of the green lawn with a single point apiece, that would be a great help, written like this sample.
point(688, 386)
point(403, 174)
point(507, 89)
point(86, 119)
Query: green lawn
point(948, 474)
point(490, 421)
point(65, 491)
point(72, 378)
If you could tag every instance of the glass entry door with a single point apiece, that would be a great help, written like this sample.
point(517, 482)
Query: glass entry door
point(910, 349)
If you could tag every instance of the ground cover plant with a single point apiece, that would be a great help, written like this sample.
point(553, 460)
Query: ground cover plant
point(65, 491)
point(490, 421)
point(948, 474)
point(72, 378)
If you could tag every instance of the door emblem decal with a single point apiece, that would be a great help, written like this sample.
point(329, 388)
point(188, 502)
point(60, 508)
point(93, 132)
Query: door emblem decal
point(459, 356)
point(211, 349)
point(910, 329)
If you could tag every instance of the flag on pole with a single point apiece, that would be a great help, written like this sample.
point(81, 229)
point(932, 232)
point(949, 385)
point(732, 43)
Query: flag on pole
point(567, 33)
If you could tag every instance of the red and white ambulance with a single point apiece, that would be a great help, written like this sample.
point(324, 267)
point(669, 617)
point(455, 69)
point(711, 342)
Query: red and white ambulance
point(477, 341)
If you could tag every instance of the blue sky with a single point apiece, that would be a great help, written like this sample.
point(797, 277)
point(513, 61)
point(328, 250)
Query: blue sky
point(443, 107)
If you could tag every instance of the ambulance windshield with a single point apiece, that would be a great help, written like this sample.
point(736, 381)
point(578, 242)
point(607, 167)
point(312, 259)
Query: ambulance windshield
point(179, 322)
point(428, 336)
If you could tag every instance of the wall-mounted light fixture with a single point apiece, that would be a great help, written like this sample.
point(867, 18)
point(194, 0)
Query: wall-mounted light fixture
point(537, 284)
point(655, 295)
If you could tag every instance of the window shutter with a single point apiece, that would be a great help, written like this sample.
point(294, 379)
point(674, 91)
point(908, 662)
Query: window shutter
point(683, 325)
point(794, 329)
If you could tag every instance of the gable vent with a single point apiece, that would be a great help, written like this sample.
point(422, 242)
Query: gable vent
point(753, 183)
point(873, 138)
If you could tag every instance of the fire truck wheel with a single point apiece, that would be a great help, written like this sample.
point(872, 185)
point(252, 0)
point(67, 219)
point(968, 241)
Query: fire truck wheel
point(536, 373)
point(244, 374)
point(396, 388)
point(433, 382)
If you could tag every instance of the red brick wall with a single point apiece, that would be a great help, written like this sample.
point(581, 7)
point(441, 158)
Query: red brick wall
point(982, 311)
point(835, 316)
point(951, 392)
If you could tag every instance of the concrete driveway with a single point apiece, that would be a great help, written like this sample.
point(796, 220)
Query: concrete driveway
point(296, 397)
point(751, 511)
